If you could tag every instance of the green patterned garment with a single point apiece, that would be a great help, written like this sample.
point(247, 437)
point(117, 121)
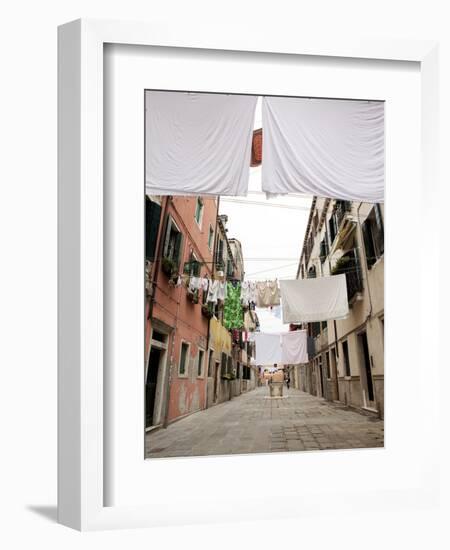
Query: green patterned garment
point(233, 315)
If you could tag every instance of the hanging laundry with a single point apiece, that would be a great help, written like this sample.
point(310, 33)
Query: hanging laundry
point(249, 322)
point(233, 314)
point(324, 147)
point(222, 291)
point(245, 293)
point(311, 300)
point(198, 143)
point(268, 348)
point(205, 284)
point(252, 292)
point(267, 294)
point(194, 283)
point(212, 291)
point(294, 348)
point(286, 348)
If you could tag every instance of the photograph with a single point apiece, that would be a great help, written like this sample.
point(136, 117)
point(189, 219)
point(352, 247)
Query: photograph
point(264, 274)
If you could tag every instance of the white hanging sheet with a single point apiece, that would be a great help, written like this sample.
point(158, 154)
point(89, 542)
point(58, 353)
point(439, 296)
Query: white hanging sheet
point(286, 348)
point(310, 300)
point(323, 147)
point(198, 144)
point(294, 348)
point(268, 348)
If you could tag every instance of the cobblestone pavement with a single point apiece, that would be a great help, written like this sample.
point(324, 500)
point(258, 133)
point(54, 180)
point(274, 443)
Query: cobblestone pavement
point(254, 423)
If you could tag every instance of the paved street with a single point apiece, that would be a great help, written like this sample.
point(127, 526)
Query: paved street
point(253, 423)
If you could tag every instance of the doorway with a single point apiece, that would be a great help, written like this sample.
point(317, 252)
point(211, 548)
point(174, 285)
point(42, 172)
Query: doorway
point(156, 373)
point(320, 386)
point(154, 360)
point(366, 372)
point(216, 380)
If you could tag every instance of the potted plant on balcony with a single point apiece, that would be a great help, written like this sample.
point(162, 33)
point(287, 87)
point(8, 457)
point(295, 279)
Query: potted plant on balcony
point(168, 267)
point(341, 265)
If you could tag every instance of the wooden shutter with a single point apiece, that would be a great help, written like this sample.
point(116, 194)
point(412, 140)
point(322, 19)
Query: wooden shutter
point(152, 220)
point(167, 236)
point(379, 231)
point(177, 250)
point(368, 243)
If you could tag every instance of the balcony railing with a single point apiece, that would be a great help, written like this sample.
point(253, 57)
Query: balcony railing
point(350, 265)
point(342, 208)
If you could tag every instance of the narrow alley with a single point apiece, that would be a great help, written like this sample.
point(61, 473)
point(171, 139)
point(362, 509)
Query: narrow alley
point(254, 423)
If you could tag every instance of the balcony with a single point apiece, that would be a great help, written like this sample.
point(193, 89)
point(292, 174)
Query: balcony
point(350, 265)
point(336, 225)
point(342, 208)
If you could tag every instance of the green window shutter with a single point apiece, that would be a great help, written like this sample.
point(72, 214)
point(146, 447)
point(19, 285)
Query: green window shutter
point(152, 220)
point(167, 237)
point(177, 248)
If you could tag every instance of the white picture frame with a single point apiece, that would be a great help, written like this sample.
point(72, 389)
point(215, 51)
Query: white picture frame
point(83, 488)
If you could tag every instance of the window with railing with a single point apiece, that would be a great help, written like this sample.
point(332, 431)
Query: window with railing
point(323, 249)
point(334, 223)
point(350, 266)
point(373, 234)
point(173, 240)
point(220, 264)
point(315, 329)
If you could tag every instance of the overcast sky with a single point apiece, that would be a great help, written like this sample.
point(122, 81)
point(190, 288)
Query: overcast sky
point(271, 233)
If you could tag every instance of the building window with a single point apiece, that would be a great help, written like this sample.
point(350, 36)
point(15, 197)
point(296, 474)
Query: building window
point(315, 328)
point(230, 365)
point(172, 243)
point(323, 249)
point(373, 234)
point(327, 364)
point(199, 211)
point(223, 365)
point(210, 363)
point(347, 371)
point(238, 370)
point(152, 219)
point(193, 266)
point(184, 358)
point(210, 237)
point(201, 355)
point(219, 255)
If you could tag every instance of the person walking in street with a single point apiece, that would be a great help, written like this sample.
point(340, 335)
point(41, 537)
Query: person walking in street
point(288, 380)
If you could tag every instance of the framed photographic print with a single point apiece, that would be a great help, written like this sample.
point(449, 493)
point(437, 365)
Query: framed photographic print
point(235, 277)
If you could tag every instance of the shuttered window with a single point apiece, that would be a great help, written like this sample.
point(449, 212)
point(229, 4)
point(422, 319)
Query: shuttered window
point(172, 242)
point(152, 220)
point(373, 235)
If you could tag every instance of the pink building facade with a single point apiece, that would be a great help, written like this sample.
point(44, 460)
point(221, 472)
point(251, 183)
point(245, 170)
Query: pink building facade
point(180, 238)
